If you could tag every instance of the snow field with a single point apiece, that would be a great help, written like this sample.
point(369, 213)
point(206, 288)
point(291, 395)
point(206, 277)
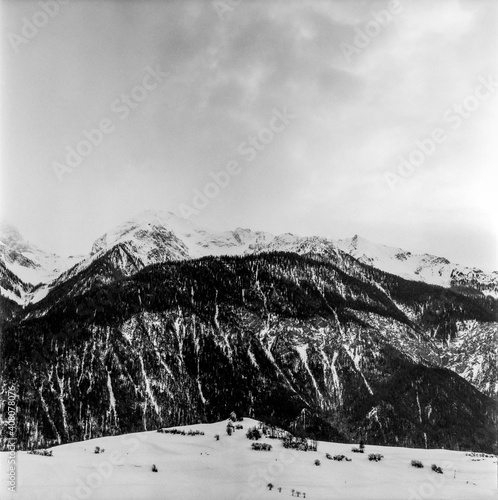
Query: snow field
point(200, 467)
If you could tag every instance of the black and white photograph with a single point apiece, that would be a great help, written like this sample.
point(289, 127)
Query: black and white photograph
point(248, 249)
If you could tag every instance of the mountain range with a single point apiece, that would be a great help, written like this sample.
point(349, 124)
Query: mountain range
point(167, 323)
point(154, 237)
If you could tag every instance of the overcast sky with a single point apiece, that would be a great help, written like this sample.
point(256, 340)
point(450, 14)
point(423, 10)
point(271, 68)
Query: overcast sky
point(221, 69)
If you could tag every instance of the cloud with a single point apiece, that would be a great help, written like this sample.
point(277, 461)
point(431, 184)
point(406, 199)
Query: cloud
point(323, 175)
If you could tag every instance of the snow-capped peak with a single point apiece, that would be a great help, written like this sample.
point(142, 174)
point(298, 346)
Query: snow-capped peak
point(26, 260)
point(146, 230)
point(419, 267)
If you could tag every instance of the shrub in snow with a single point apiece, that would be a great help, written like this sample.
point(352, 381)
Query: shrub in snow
point(339, 457)
point(301, 444)
point(481, 455)
point(238, 426)
point(97, 449)
point(313, 445)
point(181, 433)
point(362, 445)
point(273, 432)
point(437, 469)
point(261, 446)
point(328, 455)
point(253, 433)
point(317, 463)
point(375, 457)
point(417, 463)
point(269, 486)
point(229, 428)
point(172, 431)
point(217, 437)
point(43, 453)
point(357, 450)
point(154, 468)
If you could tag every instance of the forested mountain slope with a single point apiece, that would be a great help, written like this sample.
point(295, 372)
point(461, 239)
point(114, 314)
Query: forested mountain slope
point(267, 335)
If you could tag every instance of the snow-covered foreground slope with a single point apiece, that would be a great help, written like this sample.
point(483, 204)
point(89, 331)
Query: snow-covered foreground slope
point(200, 467)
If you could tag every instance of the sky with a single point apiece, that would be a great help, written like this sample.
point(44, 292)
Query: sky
point(309, 107)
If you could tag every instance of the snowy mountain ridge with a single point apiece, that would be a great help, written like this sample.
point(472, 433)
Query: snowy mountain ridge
point(153, 237)
point(29, 262)
point(418, 267)
point(24, 265)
